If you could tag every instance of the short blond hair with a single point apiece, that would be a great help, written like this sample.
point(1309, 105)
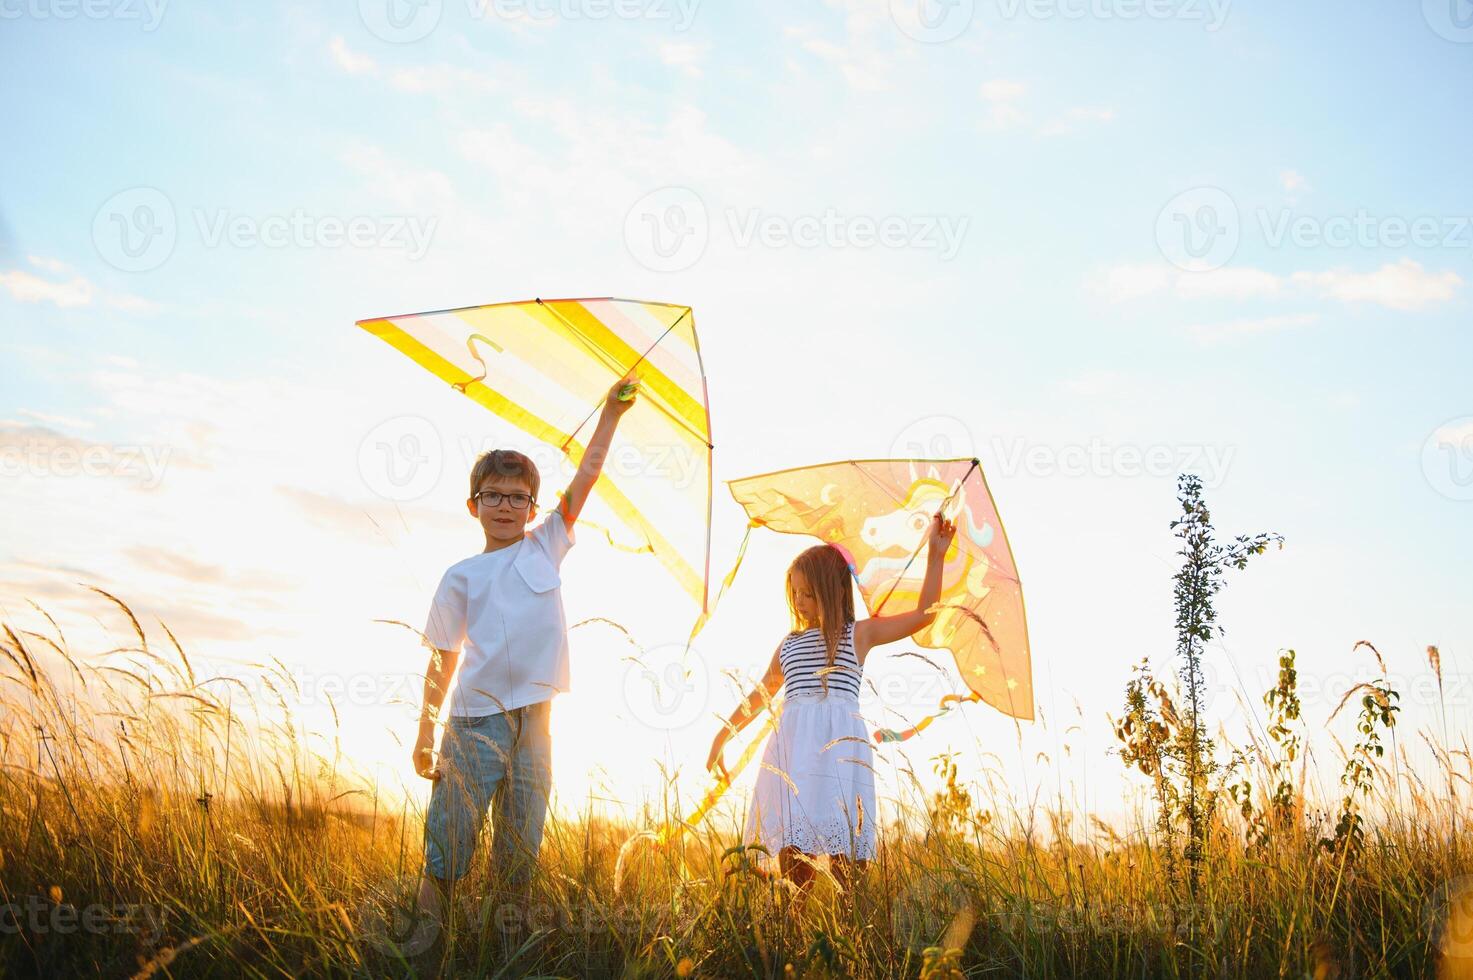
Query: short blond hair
point(504, 463)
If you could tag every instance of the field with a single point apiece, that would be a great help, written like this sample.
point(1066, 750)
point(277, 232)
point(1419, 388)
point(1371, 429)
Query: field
point(118, 862)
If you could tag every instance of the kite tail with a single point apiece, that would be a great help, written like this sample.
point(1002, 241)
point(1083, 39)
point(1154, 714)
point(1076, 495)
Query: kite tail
point(725, 584)
point(884, 735)
point(671, 832)
point(616, 544)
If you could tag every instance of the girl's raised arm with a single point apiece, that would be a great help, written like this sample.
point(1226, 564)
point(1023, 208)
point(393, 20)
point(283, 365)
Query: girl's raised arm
point(879, 630)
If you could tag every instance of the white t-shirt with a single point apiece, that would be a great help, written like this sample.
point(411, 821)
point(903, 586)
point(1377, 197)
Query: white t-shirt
point(506, 608)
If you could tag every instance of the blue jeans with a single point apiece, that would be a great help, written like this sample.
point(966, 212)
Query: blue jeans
point(502, 760)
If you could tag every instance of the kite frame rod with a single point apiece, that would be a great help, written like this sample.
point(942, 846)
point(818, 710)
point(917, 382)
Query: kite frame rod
point(612, 362)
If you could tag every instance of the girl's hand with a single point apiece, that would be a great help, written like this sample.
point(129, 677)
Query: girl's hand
point(942, 531)
point(714, 760)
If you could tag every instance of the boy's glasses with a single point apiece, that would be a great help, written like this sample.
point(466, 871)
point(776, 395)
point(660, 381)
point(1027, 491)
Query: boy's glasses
point(493, 498)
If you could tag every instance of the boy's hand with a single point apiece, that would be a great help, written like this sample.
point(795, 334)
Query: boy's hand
point(628, 388)
point(424, 756)
point(942, 531)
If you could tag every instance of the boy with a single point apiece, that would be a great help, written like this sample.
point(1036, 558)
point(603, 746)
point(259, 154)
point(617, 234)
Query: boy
point(505, 606)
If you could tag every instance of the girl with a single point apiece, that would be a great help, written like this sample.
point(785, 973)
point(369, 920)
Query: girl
point(815, 792)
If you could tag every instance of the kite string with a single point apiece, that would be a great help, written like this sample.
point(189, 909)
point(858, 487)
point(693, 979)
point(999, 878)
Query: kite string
point(976, 463)
point(574, 434)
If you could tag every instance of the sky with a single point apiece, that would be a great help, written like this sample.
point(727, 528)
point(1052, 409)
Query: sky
point(1095, 243)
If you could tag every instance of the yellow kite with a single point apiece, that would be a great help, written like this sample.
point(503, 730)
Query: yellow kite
point(878, 512)
point(546, 365)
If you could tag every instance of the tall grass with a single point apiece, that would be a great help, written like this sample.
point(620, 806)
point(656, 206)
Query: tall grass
point(155, 823)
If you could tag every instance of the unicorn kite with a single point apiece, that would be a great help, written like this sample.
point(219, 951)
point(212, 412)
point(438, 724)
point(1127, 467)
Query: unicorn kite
point(877, 513)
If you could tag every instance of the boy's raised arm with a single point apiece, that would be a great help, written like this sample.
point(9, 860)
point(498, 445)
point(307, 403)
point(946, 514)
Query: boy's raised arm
point(598, 447)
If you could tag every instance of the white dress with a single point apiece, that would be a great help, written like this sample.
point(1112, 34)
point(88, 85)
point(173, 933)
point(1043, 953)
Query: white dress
point(826, 803)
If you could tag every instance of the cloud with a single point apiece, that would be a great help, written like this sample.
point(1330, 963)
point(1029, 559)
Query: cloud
point(61, 420)
point(1003, 95)
point(348, 60)
point(1454, 434)
point(1098, 383)
point(1403, 285)
point(420, 191)
point(868, 53)
point(155, 558)
point(1293, 181)
point(76, 291)
point(1209, 333)
point(1228, 283)
point(26, 288)
point(54, 266)
point(128, 303)
point(1076, 117)
point(864, 71)
point(1003, 90)
point(443, 79)
point(1122, 283)
point(684, 57)
point(357, 518)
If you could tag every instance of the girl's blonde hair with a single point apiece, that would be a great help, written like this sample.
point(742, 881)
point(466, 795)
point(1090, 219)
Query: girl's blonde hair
point(826, 571)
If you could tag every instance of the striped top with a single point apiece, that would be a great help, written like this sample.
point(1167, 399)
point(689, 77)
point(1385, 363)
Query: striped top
point(803, 655)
